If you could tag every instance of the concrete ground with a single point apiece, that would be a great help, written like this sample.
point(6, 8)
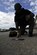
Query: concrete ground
point(10, 46)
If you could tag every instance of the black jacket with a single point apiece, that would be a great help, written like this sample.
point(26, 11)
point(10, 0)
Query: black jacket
point(20, 16)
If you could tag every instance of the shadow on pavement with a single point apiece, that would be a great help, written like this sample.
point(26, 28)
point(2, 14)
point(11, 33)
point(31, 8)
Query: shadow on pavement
point(35, 34)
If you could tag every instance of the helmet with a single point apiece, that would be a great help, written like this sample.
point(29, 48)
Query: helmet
point(17, 6)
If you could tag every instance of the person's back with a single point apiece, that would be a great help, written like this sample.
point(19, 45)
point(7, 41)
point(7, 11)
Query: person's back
point(22, 15)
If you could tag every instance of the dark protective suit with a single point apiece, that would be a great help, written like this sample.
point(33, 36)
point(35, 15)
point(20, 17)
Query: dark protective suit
point(24, 17)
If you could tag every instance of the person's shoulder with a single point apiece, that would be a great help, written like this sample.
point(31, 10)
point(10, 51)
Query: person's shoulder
point(22, 8)
point(25, 10)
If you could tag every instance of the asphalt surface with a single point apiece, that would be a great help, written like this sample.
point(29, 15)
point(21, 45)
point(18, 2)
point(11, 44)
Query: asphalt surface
point(12, 46)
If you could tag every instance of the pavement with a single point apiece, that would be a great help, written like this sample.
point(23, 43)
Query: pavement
point(11, 46)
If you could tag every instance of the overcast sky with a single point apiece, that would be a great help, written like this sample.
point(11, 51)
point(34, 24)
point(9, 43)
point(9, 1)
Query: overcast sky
point(7, 11)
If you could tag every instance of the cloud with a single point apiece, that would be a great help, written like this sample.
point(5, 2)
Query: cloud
point(11, 0)
point(7, 20)
point(8, 5)
point(7, 17)
point(33, 3)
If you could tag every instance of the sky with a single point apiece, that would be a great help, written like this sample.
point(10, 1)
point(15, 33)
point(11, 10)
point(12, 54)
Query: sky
point(7, 11)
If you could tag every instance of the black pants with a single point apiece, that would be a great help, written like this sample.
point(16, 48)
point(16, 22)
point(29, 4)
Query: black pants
point(21, 30)
point(31, 26)
point(22, 26)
